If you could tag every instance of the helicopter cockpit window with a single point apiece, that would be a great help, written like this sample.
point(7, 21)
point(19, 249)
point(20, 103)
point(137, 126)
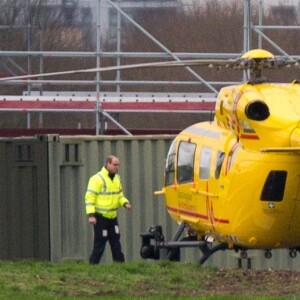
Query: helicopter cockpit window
point(205, 161)
point(170, 165)
point(274, 186)
point(220, 159)
point(185, 164)
point(257, 110)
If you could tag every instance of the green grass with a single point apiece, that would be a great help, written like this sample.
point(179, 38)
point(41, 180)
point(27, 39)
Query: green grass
point(138, 280)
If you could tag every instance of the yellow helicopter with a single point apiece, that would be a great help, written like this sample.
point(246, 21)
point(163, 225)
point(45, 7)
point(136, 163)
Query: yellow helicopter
point(234, 182)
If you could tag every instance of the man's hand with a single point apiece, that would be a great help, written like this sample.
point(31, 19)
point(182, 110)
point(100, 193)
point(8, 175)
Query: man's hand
point(128, 206)
point(92, 220)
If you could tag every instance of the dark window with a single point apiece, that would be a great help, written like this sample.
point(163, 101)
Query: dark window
point(220, 159)
point(185, 164)
point(170, 165)
point(274, 186)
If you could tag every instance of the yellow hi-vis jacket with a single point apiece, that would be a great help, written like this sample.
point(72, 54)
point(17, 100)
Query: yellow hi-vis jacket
point(103, 195)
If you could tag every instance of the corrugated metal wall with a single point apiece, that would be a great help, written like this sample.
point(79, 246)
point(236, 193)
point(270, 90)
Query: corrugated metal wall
point(42, 186)
point(24, 222)
point(74, 159)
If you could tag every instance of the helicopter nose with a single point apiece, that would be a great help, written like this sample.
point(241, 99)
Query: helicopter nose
point(295, 138)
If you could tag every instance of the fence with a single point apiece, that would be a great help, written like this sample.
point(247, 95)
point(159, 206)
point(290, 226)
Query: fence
point(43, 180)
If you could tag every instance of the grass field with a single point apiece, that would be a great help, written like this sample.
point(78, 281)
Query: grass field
point(141, 280)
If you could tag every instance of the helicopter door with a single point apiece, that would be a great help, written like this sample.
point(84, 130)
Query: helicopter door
point(205, 163)
point(185, 162)
point(209, 172)
point(170, 165)
point(204, 170)
point(185, 176)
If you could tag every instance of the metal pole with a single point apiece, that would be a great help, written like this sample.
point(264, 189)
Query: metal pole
point(246, 32)
point(28, 42)
point(41, 60)
point(246, 25)
point(272, 43)
point(28, 120)
point(114, 54)
point(260, 18)
point(151, 37)
point(118, 76)
point(98, 39)
point(115, 122)
point(121, 82)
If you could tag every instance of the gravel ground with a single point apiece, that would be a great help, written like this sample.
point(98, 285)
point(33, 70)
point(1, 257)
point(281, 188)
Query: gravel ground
point(255, 282)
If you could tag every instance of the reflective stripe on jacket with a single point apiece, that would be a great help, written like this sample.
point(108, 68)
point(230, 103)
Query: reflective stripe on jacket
point(104, 195)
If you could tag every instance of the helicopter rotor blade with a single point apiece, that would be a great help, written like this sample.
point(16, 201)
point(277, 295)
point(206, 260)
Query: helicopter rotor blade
point(184, 63)
point(239, 64)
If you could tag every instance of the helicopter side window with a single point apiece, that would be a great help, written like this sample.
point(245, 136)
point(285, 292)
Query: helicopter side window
point(205, 162)
point(170, 165)
point(274, 186)
point(220, 159)
point(185, 170)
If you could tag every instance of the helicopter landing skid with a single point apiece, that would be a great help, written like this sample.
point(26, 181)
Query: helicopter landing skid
point(161, 249)
point(208, 251)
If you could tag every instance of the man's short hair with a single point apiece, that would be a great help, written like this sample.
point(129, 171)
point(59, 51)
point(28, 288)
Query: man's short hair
point(110, 158)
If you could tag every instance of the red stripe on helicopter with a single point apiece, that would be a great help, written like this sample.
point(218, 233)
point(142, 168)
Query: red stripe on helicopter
point(249, 136)
point(234, 108)
point(194, 214)
point(230, 157)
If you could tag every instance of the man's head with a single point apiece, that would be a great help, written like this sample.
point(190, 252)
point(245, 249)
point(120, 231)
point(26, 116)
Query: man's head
point(112, 164)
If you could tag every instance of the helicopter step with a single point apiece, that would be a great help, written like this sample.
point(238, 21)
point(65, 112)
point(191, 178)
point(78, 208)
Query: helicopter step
point(155, 247)
point(244, 260)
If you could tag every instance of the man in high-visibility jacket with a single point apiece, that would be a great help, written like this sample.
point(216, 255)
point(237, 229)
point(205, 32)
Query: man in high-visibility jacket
point(103, 197)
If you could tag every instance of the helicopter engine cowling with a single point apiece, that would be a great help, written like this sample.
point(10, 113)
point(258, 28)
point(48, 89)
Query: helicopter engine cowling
point(261, 115)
